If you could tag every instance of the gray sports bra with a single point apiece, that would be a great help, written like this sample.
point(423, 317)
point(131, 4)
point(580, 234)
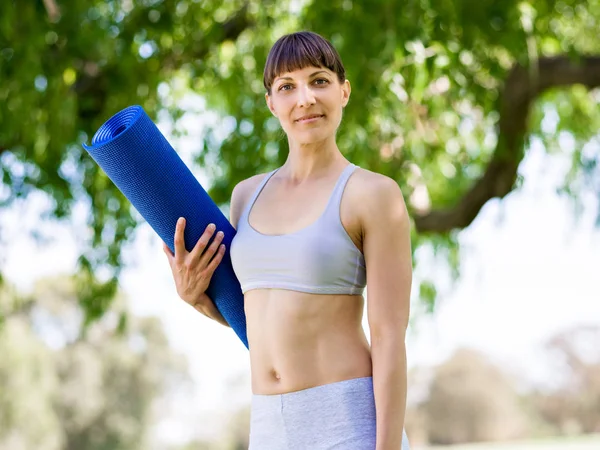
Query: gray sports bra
point(318, 259)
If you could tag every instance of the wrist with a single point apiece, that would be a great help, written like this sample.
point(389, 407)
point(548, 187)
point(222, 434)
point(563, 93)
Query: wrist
point(207, 307)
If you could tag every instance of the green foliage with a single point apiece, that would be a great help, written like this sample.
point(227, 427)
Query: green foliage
point(428, 294)
point(94, 390)
point(427, 81)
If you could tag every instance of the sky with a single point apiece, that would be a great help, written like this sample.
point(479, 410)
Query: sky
point(528, 271)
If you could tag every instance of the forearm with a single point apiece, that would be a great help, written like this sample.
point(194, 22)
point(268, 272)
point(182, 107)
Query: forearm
point(389, 386)
point(208, 308)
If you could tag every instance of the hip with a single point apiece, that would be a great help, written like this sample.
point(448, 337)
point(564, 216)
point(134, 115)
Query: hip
point(338, 415)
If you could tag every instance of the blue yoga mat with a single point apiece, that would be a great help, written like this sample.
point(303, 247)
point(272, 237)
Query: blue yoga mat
point(142, 164)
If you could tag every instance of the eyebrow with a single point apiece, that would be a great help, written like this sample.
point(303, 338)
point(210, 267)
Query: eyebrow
point(311, 75)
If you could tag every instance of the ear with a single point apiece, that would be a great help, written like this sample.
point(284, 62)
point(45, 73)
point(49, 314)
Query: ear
point(269, 101)
point(346, 89)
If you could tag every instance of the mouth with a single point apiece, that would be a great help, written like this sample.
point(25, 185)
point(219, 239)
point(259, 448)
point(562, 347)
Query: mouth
point(310, 118)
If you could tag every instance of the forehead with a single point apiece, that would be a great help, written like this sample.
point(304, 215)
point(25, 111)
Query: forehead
point(304, 72)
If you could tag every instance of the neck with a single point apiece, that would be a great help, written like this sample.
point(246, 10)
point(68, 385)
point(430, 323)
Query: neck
point(307, 161)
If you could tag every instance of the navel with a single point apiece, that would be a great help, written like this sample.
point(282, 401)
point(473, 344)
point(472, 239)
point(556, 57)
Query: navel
point(276, 375)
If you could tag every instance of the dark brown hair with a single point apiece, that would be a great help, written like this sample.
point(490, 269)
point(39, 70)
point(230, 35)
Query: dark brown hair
point(299, 50)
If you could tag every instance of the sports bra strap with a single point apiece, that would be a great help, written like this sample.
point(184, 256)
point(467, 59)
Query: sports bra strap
point(256, 193)
point(338, 191)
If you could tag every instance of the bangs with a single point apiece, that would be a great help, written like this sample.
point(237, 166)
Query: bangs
point(299, 50)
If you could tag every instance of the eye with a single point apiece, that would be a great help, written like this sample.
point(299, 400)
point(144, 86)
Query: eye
point(285, 87)
point(321, 81)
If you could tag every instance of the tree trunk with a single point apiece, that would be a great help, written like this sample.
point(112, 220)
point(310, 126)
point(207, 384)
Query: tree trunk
point(499, 178)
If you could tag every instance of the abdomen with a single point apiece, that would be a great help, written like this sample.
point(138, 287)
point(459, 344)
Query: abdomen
point(300, 340)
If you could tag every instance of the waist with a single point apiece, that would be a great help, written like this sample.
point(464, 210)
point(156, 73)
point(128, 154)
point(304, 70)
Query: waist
point(333, 390)
point(299, 341)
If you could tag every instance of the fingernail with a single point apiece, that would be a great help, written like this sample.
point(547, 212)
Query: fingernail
point(180, 221)
point(220, 234)
point(212, 226)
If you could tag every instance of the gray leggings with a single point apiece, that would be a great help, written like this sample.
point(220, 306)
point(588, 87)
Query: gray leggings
point(336, 416)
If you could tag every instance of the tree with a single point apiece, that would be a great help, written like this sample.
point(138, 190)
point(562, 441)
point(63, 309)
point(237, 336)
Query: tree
point(472, 400)
point(28, 385)
point(447, 96)
point(573, 403)
point(94, 388)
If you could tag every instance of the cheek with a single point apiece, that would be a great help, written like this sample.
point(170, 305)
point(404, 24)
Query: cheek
point(336, 108)
point(280, 107)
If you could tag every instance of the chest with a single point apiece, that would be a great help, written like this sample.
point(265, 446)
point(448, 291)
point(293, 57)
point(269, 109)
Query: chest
point(283, 210)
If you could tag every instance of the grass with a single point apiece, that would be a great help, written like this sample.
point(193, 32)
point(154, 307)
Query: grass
point(587, 442)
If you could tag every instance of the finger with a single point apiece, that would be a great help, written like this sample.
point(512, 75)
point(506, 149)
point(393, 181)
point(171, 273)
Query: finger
point(210, 251)
point(180, 250)
point(170, 256)
point(167, 250)
point(214, 263)
point(202, 242)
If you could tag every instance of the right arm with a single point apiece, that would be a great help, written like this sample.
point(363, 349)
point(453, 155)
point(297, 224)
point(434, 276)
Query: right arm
point(192, 271)
point(236, 206)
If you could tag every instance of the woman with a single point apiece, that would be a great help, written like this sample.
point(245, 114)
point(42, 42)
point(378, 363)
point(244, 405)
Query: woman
point(309, 235)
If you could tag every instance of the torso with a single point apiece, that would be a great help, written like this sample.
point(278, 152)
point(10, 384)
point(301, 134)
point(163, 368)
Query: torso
point(299, 340)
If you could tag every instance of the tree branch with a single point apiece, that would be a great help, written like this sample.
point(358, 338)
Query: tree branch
point(236, 24)
point(520, 91)
point(221, 32)
point(92, 87)
point(52, 10)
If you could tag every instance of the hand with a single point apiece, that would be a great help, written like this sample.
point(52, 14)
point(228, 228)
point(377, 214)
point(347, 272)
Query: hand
point(192, 271)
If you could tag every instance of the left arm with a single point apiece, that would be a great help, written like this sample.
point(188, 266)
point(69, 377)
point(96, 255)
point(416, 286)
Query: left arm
point(386, 246)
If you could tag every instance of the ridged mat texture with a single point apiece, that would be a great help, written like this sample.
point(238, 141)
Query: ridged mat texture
point(146, 169)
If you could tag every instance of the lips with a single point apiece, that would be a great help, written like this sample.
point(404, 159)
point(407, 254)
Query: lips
point(309, 117)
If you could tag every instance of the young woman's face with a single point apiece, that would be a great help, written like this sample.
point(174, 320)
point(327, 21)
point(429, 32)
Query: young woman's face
point(308, 103)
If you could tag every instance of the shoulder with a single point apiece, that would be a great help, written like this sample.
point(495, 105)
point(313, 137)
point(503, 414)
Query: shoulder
point(241, 194)
point(376, 198)
point(374, 191)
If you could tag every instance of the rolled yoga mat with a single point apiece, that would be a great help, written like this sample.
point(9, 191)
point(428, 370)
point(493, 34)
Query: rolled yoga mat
point(147, 170)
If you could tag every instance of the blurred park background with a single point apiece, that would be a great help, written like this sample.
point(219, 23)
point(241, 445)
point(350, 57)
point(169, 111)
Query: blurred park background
point(485, 112)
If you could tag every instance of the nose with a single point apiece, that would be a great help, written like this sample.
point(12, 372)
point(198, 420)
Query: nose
point(306, 96)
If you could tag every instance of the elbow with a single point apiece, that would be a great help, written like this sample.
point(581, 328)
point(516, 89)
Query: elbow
point(389, 337)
